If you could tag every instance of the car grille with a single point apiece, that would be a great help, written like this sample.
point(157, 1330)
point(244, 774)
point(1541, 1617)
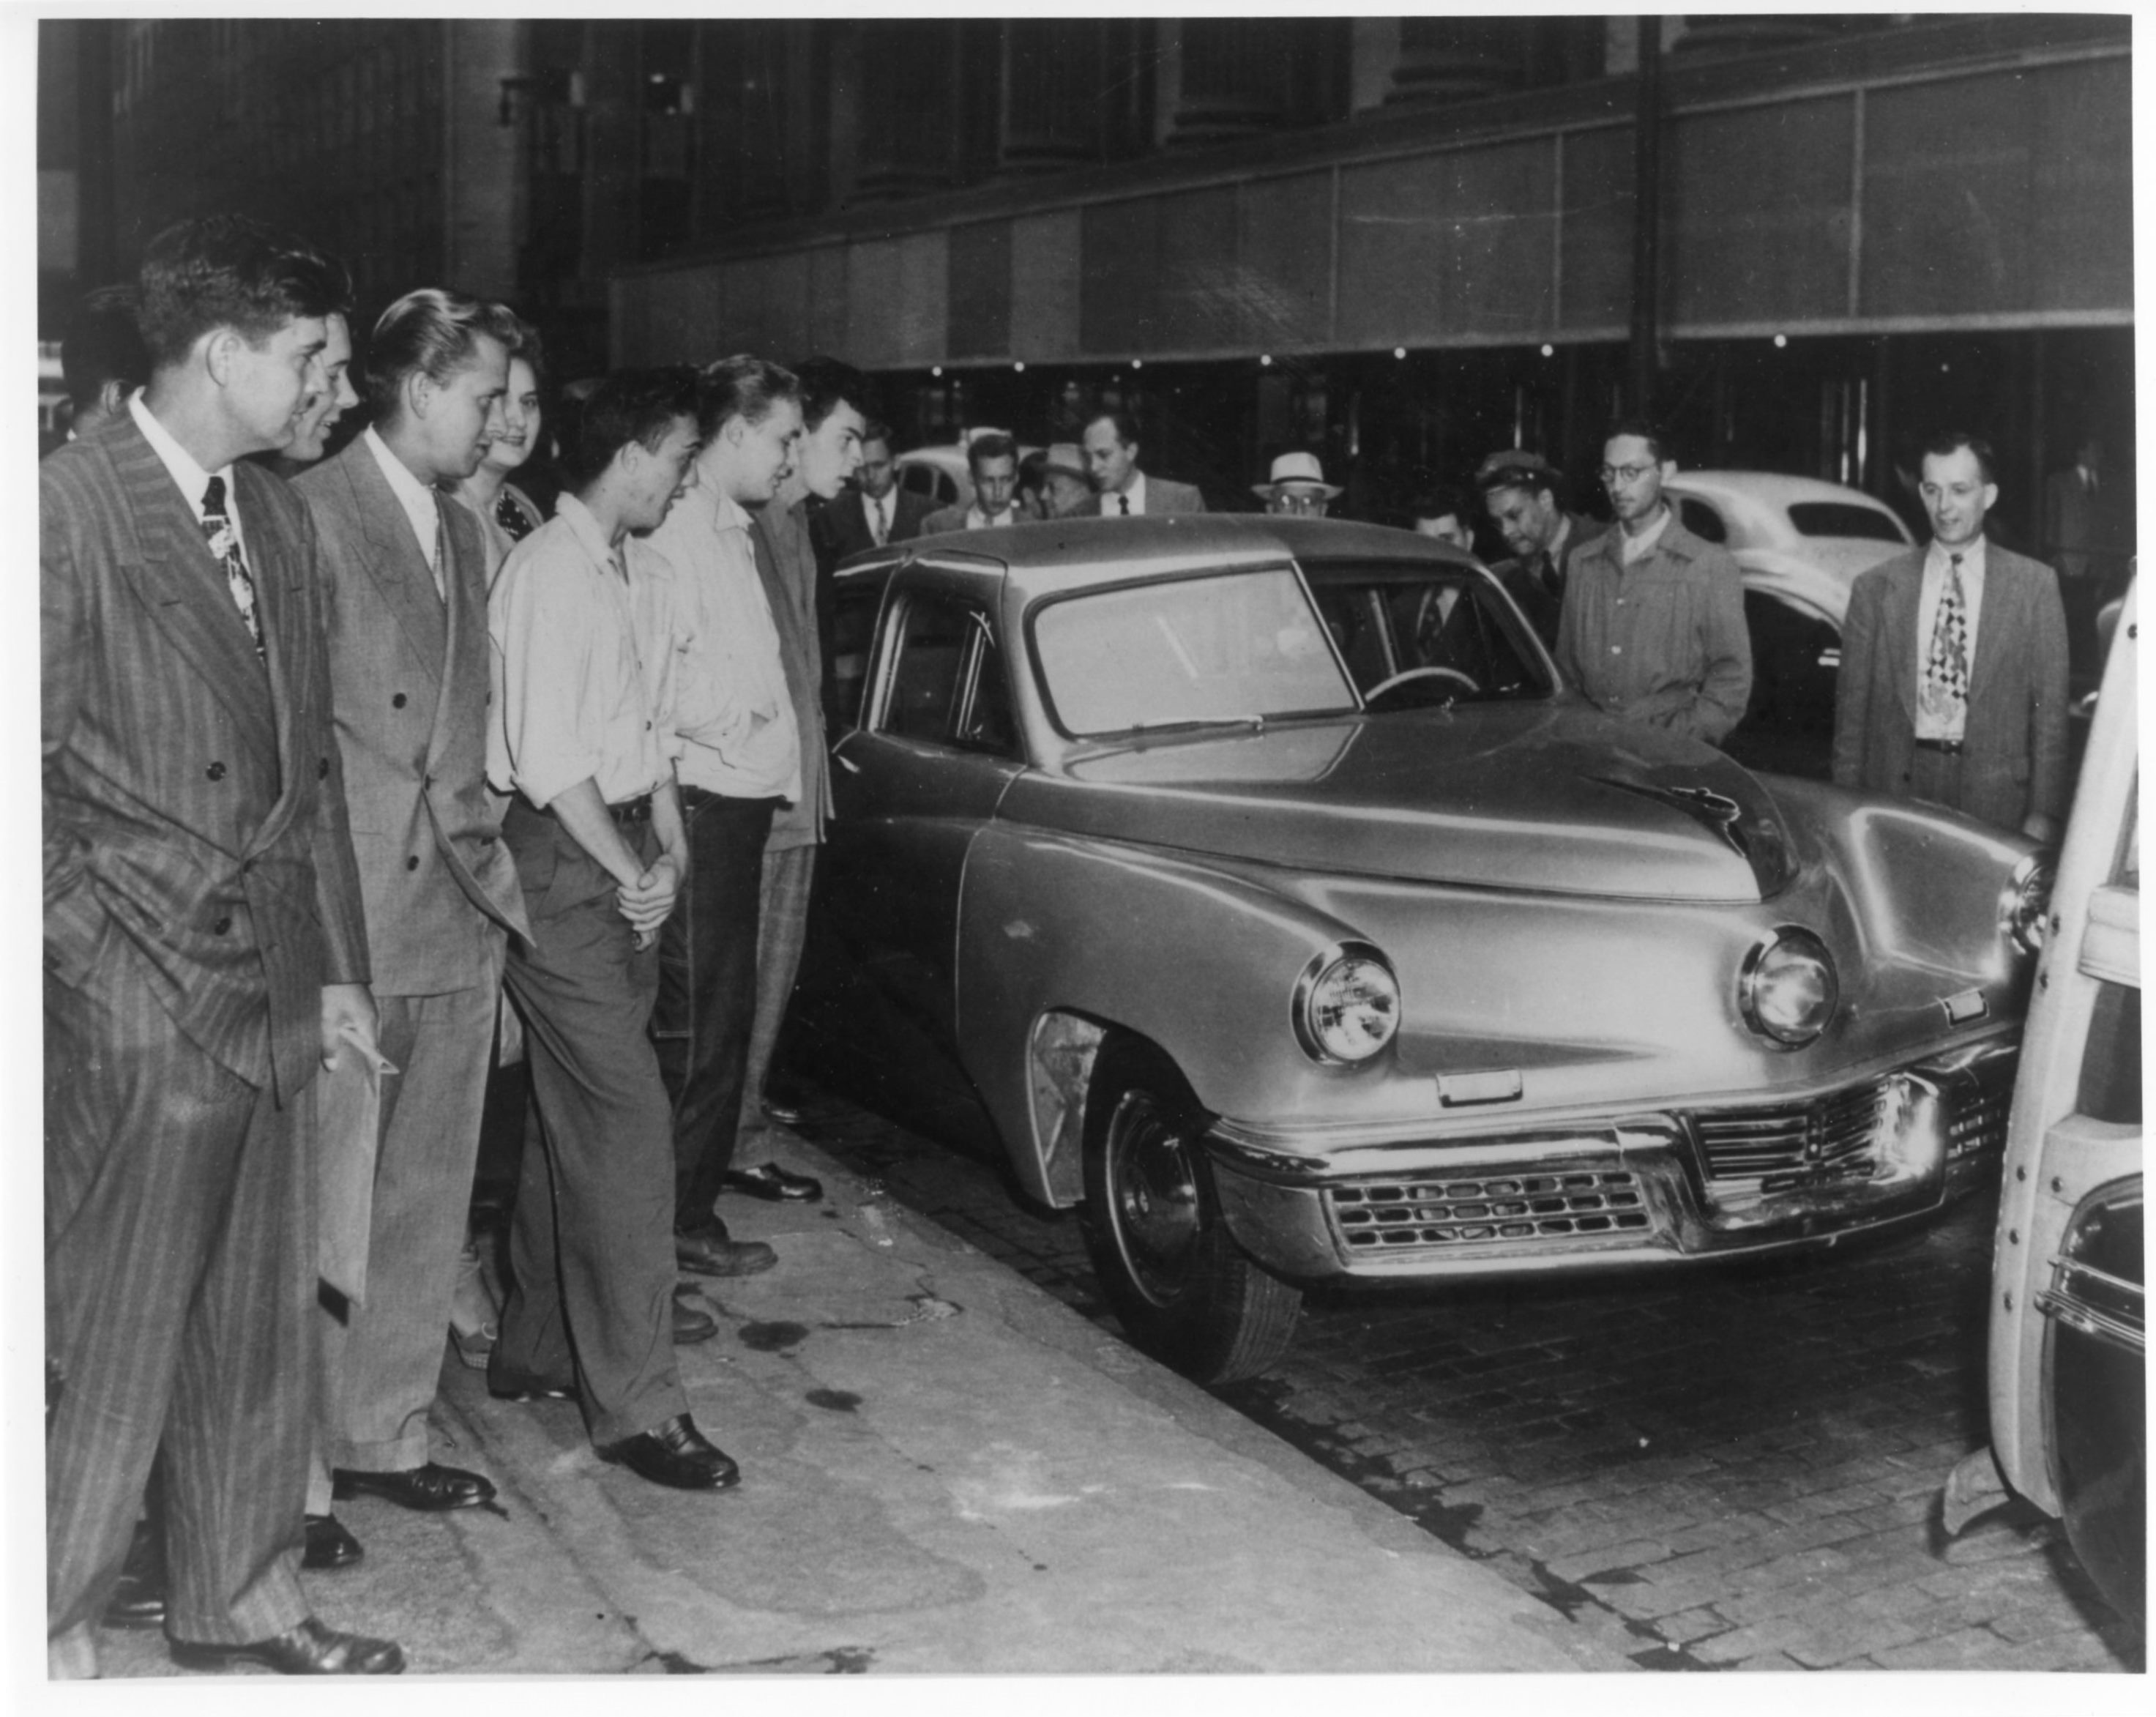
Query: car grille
point(1833, 1137)
point(1498, 1210)
point(1979, 1122)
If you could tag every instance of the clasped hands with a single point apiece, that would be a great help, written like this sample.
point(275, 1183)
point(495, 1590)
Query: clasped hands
point(646, 901)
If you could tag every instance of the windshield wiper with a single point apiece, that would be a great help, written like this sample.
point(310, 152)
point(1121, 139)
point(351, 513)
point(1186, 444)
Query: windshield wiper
point(1256, 724)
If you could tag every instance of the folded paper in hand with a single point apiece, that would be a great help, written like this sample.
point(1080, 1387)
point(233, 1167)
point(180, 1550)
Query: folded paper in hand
point(347, 1121)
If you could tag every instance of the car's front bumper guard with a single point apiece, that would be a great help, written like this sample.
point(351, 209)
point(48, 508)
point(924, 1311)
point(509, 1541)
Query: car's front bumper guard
point(1628, 1190)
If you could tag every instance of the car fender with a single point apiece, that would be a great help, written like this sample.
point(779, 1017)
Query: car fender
point(1062, 936)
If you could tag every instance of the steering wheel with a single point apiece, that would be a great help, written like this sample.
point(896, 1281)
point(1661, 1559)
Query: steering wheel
point(1407, 676)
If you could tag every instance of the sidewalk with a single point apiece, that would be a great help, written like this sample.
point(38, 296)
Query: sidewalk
point(945, 1472)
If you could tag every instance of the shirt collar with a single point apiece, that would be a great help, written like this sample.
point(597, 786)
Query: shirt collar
point(1630, 549)
point(1971, 553)
point(192, 478)
point(727, 513)
point(590, 536)
point(416, 497)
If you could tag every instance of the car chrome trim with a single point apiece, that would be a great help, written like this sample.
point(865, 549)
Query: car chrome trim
point(1965, 1005)
point(1793, 936)
point(2026, 900)
point(1493, 1085)
point(2096, 1303)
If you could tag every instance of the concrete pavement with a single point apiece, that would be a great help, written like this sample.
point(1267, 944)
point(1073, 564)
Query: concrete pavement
point(946, 1471)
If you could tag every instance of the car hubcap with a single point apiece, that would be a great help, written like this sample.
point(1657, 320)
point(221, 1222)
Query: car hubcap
point(1153, 1197)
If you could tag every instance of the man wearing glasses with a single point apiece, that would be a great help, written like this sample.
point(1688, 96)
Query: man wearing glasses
point(1653, 625)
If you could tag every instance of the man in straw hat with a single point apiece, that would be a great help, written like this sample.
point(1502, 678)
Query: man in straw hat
point(1297, 487)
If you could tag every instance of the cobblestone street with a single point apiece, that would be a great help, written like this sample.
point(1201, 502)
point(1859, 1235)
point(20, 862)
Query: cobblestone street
point(1732, 1468)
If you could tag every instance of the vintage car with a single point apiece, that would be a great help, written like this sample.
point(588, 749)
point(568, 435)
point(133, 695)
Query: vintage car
point(2069, 1316)
point(1292, 921)
point(1800, 543)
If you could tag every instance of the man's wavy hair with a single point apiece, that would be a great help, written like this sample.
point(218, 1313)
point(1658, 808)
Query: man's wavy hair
point(629, 405)
point(743, 387)
point(229, 271)
point(431, 333)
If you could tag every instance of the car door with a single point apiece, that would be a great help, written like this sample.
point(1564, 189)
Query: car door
point(916, 781)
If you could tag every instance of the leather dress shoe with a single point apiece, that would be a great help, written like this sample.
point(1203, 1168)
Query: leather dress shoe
point(431, 1488)
point(309, 1649)
point(138, 1598)
point(690, 1323)
point(329, 1545)
point(709, 1252)
point(768, 1180)
point(783, 1107)
point(675, 1453)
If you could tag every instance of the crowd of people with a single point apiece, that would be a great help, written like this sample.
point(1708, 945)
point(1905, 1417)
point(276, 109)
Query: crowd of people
point(393, 765)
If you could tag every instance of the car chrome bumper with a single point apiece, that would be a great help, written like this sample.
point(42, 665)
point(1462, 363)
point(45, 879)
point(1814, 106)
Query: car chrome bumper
point(1621, 1190)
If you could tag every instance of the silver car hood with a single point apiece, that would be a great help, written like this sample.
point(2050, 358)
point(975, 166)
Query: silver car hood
point(1546, 798)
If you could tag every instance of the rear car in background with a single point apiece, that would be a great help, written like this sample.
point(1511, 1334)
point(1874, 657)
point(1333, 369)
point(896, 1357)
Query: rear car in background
point(1800, 544)
point(2069, 1324)
point(939, 474)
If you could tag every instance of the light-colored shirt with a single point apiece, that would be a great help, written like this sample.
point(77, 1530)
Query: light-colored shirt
point(1660, 640)
point(1112, 505)
point(879, 511)
point(735, 721)
point(416, 498)
point(1633, 547)
point(586, 642)
point(976, 520)
point(1932, 724)
point(193, 480)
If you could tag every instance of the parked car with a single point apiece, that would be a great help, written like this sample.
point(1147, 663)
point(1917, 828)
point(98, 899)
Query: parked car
point(1800, 544)
point(940, 473)
point(2069, 1320)
point(1292, 921)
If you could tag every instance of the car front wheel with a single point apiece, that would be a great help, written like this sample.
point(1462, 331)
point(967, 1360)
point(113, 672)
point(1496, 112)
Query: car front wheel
point(1186, 1293)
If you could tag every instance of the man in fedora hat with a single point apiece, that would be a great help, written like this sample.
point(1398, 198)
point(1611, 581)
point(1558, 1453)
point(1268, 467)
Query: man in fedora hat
point(1520, 489)
point(1297, 487)
point(1065, 491)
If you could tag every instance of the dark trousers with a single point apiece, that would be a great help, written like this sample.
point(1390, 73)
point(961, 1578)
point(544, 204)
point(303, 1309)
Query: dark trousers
point(591, 1246)
point(180, 1287)
point(707, 991)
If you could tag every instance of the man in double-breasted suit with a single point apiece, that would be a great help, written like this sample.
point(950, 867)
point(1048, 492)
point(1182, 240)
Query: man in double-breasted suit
point(404, 572)
point(1954, 665)
point(204, 953)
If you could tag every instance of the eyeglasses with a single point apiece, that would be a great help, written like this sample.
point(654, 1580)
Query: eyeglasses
point(1625, 473)
point(1300, 503)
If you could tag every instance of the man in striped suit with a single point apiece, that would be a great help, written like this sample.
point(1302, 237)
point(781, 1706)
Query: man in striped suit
point(204, 952)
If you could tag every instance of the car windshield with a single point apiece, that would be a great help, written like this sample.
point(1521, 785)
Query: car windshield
point(1843, 518)
point(1441, 633)
point(1219, 647)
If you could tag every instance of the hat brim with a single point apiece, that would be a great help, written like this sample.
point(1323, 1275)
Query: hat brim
point(1265, 492)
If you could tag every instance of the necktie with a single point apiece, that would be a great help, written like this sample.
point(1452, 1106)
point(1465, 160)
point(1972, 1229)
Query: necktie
point(510, 516)
point(441, 567)
point(1123, 502)
point(878, 525)
point(224, 543)
point(1946, 665)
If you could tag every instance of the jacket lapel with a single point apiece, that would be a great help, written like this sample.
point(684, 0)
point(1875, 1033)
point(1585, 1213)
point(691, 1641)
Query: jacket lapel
point(1999, 624)
point(275, 560)
point(181, 586)
point(1905, 584)
point(393, 561)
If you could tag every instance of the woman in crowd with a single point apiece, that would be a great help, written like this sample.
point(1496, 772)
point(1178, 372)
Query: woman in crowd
point(505, 512)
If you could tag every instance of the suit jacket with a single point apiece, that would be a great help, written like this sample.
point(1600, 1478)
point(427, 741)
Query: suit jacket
point(1523, 583)
point(1164, 496)
point(2013, 755)
point(786, 562)
point(409, 671)
point(2074, 534)
point(953, 518)
point(840, 528)
point(195, 841)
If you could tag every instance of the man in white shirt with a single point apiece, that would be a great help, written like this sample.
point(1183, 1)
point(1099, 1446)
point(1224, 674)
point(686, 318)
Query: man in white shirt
point(587, 639)
point(406, 574)
point(991, 459)
point(1112, 460)
point(740, 746)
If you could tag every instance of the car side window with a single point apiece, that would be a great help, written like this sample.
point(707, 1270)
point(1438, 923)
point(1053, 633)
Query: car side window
point(947, 684)
point(1702, 521)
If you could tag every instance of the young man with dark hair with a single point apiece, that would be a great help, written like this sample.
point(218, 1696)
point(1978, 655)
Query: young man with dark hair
point(102, 358)
point(204, 954)
point(1652, 628)
point(992, 461)
point(1111, 461)
point(740, 759)
point(405, 572)
point(586, 634)
point(1952, 687)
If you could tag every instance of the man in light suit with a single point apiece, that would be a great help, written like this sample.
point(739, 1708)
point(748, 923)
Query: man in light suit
point(405, 576)
point(1111, 461)
point(204, 952)
point(1954, 665)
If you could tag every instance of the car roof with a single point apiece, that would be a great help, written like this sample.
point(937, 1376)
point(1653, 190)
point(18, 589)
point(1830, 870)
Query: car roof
point(1052, 555)
point(1773, 488)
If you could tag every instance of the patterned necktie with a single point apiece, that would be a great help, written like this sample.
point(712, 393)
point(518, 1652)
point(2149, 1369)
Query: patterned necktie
point(1946, 667)
point(1123, 501)
point(224, 545)
point(510, 516)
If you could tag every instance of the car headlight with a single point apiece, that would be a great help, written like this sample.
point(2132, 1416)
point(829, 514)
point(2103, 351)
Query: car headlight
point(1347, 1004)
point(2025, 900)
point(1788, 990)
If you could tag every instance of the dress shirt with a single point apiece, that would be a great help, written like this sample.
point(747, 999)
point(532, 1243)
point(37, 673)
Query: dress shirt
point(417, 500)
point(1662, 639)
point(1631, 547)
point(1929, 726)
point(878, 510)
point(583, 657)
point(736, 720)
point(192, 478)
point(976, 520)
point(1113, 508)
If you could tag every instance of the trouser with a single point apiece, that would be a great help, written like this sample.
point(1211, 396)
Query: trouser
point(383, 1361)
point(707, 991)
point(591, 1246)
point(781, 926)
point(180, 1286)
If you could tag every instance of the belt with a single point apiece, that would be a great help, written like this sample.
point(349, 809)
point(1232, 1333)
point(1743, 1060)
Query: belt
point(1945, 748)
point(628, 815)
